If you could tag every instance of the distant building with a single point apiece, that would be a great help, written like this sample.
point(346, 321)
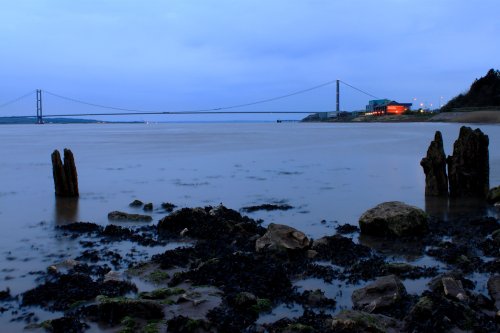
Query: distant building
point(386, 106)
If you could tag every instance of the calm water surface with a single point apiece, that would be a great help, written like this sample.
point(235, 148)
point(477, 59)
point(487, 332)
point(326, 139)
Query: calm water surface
point(329, 173)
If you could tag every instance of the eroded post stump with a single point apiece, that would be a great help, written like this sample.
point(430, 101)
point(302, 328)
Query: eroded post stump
point(65, 175)
point(468, 167)
point(434, 164)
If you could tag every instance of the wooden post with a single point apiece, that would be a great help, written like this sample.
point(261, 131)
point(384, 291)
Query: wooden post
point(65, 175)
point(434, 164)
point(469, 166)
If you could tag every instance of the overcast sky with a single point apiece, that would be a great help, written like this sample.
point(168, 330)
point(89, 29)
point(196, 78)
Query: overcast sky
point(186, 54)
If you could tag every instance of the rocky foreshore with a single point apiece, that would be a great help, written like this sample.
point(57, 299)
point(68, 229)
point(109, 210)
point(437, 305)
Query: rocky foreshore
point(232, 271)
point(212, 269)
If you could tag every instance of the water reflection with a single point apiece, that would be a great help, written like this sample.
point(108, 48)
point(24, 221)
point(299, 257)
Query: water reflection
point(407, 249)
point(66, 210)
point(449, 208)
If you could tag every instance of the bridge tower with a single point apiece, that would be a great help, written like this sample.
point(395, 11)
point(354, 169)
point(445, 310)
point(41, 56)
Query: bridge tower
point(39, 116)
point(338, 97)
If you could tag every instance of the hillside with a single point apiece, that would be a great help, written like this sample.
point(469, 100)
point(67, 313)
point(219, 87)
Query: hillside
point(484, 92)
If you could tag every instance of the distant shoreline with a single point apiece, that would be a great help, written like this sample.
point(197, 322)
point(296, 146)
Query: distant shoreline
point(32, 120)
point(474, 117)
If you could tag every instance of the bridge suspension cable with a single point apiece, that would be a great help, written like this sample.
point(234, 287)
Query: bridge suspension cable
point(17, 99)
point(215, 110)
point(197, 110)
point(361, 91)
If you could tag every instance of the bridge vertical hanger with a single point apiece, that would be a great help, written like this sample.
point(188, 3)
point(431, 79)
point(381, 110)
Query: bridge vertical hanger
point(39, 116)
point(338, 97)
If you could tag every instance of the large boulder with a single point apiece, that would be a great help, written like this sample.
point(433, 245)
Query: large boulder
point(359, 321)
point(282, 237)
point(434, 164)
point(393, 218)
point(384, 292)
point(468, 167)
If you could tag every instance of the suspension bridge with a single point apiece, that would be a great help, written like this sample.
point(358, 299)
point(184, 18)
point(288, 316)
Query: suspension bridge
point(121, 111)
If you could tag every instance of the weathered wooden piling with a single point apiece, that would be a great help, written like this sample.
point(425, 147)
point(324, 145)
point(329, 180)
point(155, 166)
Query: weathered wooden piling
point(65, 175)
point(468, 167)
point(434, 164)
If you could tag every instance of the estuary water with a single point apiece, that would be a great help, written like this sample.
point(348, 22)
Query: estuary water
point(329, 173)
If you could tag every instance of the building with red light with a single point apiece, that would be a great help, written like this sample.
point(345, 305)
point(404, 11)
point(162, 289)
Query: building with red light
point(386, 106)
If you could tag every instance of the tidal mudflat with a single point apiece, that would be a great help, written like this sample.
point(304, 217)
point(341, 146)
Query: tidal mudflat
point(326, 175)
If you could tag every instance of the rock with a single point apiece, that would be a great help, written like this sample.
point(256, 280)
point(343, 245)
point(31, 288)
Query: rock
point(494, 195)
point(190, 297)
point(482, 302)
point(61, 292)
point(420, 313)
point(358, 321)
point(264, 276)
point(210, 223)
point(434, 164)
point(454, 288)
point(267, 207)
point(169, 207)
point(113, 310)
point(80, 227)
point(279, 236)
point(494, 289)
point(161, 293)
point(65, 175)
point(339, 250)
point(398, 268)
point(385, 292)
point(424, 305)
point(148, 207)
point(186, 324)
point(346, 229)
point(407, 271)
point(5, 294)
point(311, 254)
point(63, 266)
point(495, 236)
point(122, 216)
point(468, 167)
point(317, 299)
point(136, 203)
point(183, 232)
point(436, 284)
point(113, 276)
point(394, 219)
point(436, 313)
point(244, 300)
point(297, 328)
point(65, 324)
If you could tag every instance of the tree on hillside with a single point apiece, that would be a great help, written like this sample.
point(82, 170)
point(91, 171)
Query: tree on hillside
point(483, 92)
